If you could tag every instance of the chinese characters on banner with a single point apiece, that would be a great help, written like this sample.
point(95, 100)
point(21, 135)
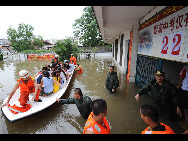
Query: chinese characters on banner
point(174, 23)
point(167, 34)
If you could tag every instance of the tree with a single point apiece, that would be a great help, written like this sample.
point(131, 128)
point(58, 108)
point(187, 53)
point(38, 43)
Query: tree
point(22, 39)
point(38, 42)
point(66, 47)
point(86, 29)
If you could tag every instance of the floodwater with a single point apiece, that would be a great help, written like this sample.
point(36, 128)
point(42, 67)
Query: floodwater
point(123, 110)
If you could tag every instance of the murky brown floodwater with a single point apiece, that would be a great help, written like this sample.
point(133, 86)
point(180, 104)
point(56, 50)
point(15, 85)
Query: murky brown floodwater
point(123, 110)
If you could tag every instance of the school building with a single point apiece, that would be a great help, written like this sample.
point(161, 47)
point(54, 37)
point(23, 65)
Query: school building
point(145, 38)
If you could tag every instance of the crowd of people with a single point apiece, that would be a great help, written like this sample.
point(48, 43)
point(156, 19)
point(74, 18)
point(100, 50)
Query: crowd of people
point(163, 96)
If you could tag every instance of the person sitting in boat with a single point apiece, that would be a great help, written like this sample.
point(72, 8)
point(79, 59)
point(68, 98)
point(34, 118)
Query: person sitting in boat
point(68, 72)
point(72, 65)
point(47, 82)
point(82, 102)
point(27, 85)
point(56, 76)
point(62, 74)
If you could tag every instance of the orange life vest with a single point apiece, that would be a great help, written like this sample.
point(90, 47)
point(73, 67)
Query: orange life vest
point(167, 131)
point(15, 109)
point(97, 128)
point(26, 87)
point(73, 58)
point(81, 71)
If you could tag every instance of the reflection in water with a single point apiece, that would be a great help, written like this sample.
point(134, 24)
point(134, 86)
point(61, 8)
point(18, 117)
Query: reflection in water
point(123, 110)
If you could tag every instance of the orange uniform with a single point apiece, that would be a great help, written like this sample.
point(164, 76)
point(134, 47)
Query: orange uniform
point(81, 71)
point(97, 128)
point(25, 90)
point(167, 131)
point(73, 58)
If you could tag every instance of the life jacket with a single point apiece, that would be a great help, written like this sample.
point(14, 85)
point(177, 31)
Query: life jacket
point(73, 58)
point(97, 128)
point(81, 71)
point(15, 109)
point(26, 87)
point(167, 131)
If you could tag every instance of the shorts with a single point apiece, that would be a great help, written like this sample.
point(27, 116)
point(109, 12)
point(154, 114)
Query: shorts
point(42, 89)
point(184, 99)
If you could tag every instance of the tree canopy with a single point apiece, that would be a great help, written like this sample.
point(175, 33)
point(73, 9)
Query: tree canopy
point(22, 38)
point(86, 29)
point(66, 47)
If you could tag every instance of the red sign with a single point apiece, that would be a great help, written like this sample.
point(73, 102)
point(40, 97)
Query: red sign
point(130, 51)
point(40, 57)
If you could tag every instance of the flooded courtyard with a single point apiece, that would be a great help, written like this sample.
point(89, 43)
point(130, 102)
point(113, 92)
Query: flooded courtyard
point(123, 110)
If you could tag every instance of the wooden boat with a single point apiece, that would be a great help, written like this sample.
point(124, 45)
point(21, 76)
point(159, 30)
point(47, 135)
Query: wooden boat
point(36, 106)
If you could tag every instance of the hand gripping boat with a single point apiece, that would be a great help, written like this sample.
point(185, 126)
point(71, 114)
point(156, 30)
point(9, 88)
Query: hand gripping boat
point(35, 106)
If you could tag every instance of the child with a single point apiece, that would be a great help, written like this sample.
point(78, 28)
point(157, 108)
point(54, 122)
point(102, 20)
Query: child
point(58, 79)
point(47, 82)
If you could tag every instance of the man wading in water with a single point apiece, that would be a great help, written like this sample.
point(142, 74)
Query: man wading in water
point(112, 81)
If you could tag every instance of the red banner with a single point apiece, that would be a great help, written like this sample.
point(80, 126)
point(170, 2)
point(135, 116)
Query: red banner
point(40, 57)
point(130, 51)
point(161, 15)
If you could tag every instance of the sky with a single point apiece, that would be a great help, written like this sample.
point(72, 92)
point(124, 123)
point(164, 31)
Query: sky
point(51, 22)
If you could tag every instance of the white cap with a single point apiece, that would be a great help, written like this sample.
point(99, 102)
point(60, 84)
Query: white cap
point(56, 55)
point(24, 73)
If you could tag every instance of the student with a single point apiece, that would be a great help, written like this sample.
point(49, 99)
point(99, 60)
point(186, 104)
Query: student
point(82, 102)
point(68, 72)
point(112, 81)
point(151, 117)
point(48, 81)
point(183, 86)
point(72, 65)
point(27, 85)
point(56, 76)
point(39, 78)
point(96, 122)
point(163, 94)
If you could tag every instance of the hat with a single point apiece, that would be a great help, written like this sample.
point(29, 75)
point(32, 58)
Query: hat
point(24, 73)
point(160, 72)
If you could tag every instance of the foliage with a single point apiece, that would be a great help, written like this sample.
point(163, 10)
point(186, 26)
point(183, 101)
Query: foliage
point(22, 38)
point(66, 47)
point(87, 30)
point(1, 56)
point(38, 42)
point(34, 51)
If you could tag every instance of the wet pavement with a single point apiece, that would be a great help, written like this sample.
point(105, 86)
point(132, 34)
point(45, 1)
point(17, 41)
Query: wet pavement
point(123, 110)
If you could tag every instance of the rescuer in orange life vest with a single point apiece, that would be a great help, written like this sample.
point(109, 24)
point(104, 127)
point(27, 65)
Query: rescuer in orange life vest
point(150, 116)
point(27, 85)
point(73, 58)
point(79, 68)
point(96, 122)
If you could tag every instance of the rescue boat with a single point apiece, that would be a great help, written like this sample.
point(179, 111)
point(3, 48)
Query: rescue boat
point(35, 106)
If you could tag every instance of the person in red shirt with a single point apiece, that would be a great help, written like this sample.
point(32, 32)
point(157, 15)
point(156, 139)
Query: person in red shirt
point(183, 91)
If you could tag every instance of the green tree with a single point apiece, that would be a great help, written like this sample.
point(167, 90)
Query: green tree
point(22, 38)
point(66, 47)
point(38, 41)
point(86, 29)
